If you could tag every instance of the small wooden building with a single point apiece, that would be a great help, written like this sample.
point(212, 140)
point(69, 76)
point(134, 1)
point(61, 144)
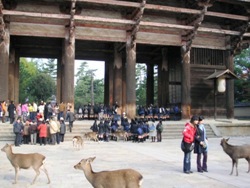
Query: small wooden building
point(187, 39)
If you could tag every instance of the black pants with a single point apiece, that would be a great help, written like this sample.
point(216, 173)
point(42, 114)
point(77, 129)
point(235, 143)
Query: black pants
point(43, 140)
point(18, 139)
point(158, 136)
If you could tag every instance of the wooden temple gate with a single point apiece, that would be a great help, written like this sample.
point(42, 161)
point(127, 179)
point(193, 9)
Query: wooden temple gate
point(186, 39)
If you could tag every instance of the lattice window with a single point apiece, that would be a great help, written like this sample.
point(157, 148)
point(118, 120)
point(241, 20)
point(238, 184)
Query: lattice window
point(200, 56)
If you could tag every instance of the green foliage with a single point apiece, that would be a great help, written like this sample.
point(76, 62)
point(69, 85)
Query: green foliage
point(43, 86)
point(34, 84)
point(141, 81)
point(83, 86)
point(242, 70)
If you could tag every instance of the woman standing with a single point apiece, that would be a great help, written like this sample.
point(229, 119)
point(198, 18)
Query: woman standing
point(42, 132)
point(201, 146)
point(188, 138)
point(152, 131)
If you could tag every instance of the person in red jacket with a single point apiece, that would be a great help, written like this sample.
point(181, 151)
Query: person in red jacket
point(42, 128)
point(188, 138)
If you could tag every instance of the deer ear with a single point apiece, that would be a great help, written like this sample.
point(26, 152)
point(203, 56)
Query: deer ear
point(227, 139)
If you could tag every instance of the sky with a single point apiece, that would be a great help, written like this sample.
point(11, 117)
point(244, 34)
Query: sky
point(99, 65)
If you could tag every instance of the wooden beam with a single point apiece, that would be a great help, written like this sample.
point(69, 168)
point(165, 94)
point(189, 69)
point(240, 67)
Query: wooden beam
point(121, 21)
point(166, 8)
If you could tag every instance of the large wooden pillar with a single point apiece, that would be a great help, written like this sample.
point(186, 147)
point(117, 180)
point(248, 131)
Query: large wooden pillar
point(150, 84)
point(185, 84)
point(111, 84)
point(68, 59)
point(117, 77)
point(130, 77)
point(14, 76)
point(124, 87)
point(106, 83)
point(164, 78)
point(59, 80)
point(4, 64)
point(230, 87)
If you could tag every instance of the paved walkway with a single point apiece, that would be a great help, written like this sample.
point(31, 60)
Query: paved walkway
point(159, 163)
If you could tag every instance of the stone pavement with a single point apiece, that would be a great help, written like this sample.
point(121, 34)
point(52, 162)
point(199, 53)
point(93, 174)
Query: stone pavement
point(159, 163)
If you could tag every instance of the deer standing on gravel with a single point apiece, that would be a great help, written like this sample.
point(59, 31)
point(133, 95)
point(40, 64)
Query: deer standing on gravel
point(235, 153)
point(25, 161)
point(124, 178)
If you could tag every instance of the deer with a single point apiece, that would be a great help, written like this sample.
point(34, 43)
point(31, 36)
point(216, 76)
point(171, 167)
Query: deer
point(235, 153)
point(77, 142)
point(91, 136)
point(25, 161)
point(123, 178)
point(120, 134)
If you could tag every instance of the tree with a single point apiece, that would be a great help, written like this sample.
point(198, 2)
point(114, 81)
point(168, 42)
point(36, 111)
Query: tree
point(141, 81)
point(34, 84)
point(43, 86)
point(242, 70)
point(27, 71)
point(87, 89)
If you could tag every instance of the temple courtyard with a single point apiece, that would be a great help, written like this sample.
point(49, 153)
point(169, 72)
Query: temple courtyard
point(160, 163)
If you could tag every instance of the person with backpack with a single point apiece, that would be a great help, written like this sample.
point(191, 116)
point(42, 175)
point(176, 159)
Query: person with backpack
point(159, 129)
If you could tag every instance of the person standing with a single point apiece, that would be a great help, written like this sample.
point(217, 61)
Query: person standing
point(4, 110)
point(42, 132)
point(188, 138)
point(152, 131)
point(71, 117)
point(17, 129)
point(62, 129)
point(159, 128)
point(33, 133)
point(12, 110)
point(201, 146)
point(26, 134)
point(53, 130)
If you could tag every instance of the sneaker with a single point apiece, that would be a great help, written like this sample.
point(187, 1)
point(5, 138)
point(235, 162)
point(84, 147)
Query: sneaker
point(186, 172)
point(204, 170)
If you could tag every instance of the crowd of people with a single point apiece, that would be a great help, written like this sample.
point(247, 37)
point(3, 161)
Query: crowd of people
point(32, 123)
point(102, 111)
point(138, 129)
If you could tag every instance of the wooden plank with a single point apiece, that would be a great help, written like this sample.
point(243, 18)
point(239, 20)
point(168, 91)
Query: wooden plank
point(166, 8)
point(121, 21)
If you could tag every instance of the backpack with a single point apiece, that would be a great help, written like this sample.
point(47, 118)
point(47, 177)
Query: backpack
point(159, 127)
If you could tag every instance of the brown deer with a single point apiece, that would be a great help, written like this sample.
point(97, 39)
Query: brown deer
point(235, 153)
point(78, 142)
point(91, 136)
point(120, 134)
point(25, 161)
point(124, 178)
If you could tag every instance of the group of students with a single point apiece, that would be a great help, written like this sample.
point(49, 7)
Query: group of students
point(141, 128)
point(195, 138)
point(49, 131)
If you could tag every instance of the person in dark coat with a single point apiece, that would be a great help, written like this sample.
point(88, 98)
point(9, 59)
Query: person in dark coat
point(100, 130)
point(200, 147)
point(18, 129)
point(62, 129)
point(106, 130)
point(12, 110)
point(71, 117)
point(94, 127)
